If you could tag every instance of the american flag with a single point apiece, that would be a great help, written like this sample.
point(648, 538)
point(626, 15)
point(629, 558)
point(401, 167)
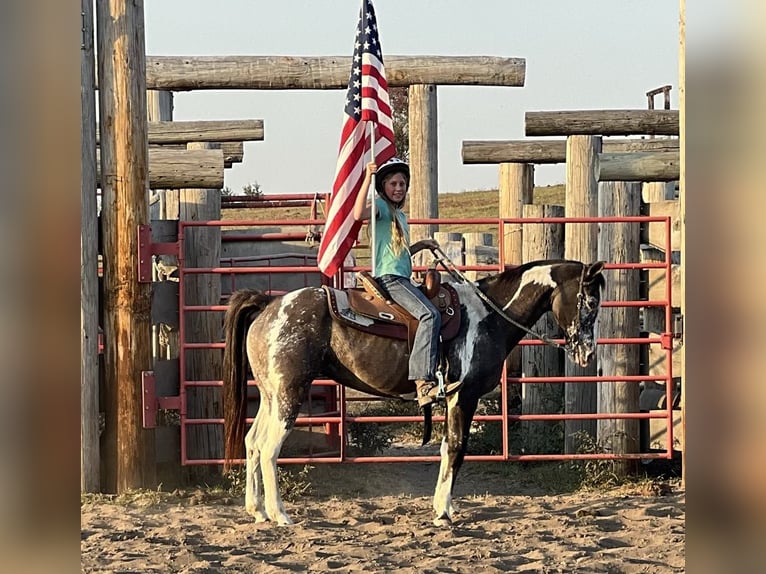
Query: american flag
point(366, 103)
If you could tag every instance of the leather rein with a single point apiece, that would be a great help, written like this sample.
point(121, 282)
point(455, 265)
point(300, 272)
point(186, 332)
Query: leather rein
point(441, 258)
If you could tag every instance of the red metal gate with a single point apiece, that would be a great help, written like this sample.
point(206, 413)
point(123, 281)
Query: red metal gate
point(333, 418)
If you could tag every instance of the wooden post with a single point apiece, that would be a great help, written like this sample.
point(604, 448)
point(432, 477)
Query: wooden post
point(424, 161)
point(90, 460)
point(203, 249)
point(159, 108)
point(517, 182)
point(475, 254)
point(619, 243)
point(658, 191)
point(516, 186)
point(581, 243)
point(682, 197)
point(124, 206)
point(542, 241)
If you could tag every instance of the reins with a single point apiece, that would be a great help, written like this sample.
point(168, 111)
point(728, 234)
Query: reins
point(451, 268)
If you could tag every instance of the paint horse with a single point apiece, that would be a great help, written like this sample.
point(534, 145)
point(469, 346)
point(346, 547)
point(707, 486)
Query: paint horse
point(293, 339)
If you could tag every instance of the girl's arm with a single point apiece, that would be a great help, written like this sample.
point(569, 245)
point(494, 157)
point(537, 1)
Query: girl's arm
point(362, 209)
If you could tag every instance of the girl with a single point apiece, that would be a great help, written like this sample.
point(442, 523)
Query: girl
point(393, 268)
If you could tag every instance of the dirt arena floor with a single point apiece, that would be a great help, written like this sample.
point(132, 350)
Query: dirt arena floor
point(377, 518)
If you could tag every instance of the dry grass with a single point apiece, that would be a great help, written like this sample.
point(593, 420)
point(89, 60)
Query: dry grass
point(465, 205)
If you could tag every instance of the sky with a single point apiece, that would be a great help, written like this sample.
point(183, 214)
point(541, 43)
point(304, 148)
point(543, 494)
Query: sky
point(583, 54)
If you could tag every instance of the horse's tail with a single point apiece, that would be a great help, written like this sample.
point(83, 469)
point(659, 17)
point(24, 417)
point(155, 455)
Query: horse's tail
point(243, 307)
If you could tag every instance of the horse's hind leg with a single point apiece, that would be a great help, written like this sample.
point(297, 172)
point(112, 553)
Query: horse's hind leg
point(253, 477)
point(281, 419)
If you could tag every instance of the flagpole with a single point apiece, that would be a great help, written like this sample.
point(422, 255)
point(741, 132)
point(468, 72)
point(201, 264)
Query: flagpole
point(371, 192)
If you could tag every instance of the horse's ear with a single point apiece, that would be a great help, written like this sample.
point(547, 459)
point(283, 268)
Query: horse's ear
point(594, 269)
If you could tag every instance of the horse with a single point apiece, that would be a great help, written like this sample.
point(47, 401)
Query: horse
point(292, 339)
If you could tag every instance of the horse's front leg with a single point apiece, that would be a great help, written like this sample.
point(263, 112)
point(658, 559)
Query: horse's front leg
point(460, 409)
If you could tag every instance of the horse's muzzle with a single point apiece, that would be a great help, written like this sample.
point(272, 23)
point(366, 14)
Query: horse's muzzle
point(582, 355)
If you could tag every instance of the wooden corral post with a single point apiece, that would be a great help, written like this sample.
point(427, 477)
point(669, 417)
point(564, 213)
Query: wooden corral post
point(424, 159)
point(90, 460)
point(542, 241)
point(682, 197)
point(516, 187)
point(203, 249)
point(619, 243)
point(478, 251)
point(124, 206)
point(159, 108)
point(581, 243)
point(452, 243)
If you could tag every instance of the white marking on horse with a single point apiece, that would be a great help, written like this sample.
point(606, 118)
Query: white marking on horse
point(442, 502)
point(540, 274)
point(475, 312)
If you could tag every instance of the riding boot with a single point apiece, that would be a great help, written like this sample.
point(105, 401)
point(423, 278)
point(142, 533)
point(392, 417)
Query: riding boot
point(428, 391)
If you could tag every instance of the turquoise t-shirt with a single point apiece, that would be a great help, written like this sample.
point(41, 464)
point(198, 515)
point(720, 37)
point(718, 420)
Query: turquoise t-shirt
point(386, 261)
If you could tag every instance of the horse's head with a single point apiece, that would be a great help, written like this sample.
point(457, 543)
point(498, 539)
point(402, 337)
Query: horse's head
point(575, 306)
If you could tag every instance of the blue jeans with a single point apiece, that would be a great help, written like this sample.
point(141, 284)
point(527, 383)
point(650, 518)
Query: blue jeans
point(423, 356)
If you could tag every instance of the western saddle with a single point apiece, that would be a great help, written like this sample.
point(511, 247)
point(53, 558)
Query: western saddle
point(369, 309)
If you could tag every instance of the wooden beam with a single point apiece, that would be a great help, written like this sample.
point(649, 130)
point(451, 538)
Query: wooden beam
point(213, 131)
point(180, 168)
point(124, 206)
point(639, 166)
point(233, 152)
point(602, 122)
point(324, 72)
point(549, 151)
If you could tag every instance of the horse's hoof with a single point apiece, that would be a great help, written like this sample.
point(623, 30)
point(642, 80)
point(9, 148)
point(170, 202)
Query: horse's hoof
point(259, 516)
point(443, 521)
point(283, 520)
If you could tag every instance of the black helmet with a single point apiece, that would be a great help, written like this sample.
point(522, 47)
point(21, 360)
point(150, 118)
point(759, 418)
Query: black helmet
point(394, 165)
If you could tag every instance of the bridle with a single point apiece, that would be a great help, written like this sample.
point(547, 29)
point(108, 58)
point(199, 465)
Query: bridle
point(441, 258)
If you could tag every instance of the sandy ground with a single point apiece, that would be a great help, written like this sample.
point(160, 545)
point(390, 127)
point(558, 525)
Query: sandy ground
point(377, 518)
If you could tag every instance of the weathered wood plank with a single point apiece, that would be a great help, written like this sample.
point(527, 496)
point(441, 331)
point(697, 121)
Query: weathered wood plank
point(639, 166)
point(324, 72)
point(177, 169)
point(656, 232)
point(549, 151)
point(172, 132)
point(602, 122)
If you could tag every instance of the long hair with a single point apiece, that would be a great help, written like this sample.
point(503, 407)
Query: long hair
point(399, 242)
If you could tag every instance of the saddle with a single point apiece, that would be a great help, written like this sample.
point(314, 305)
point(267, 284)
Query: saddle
point(370, 310)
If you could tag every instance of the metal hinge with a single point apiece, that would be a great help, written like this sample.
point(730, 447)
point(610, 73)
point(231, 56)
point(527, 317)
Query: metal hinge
point(146, 249)
point(151, 403)
point(678, 326)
